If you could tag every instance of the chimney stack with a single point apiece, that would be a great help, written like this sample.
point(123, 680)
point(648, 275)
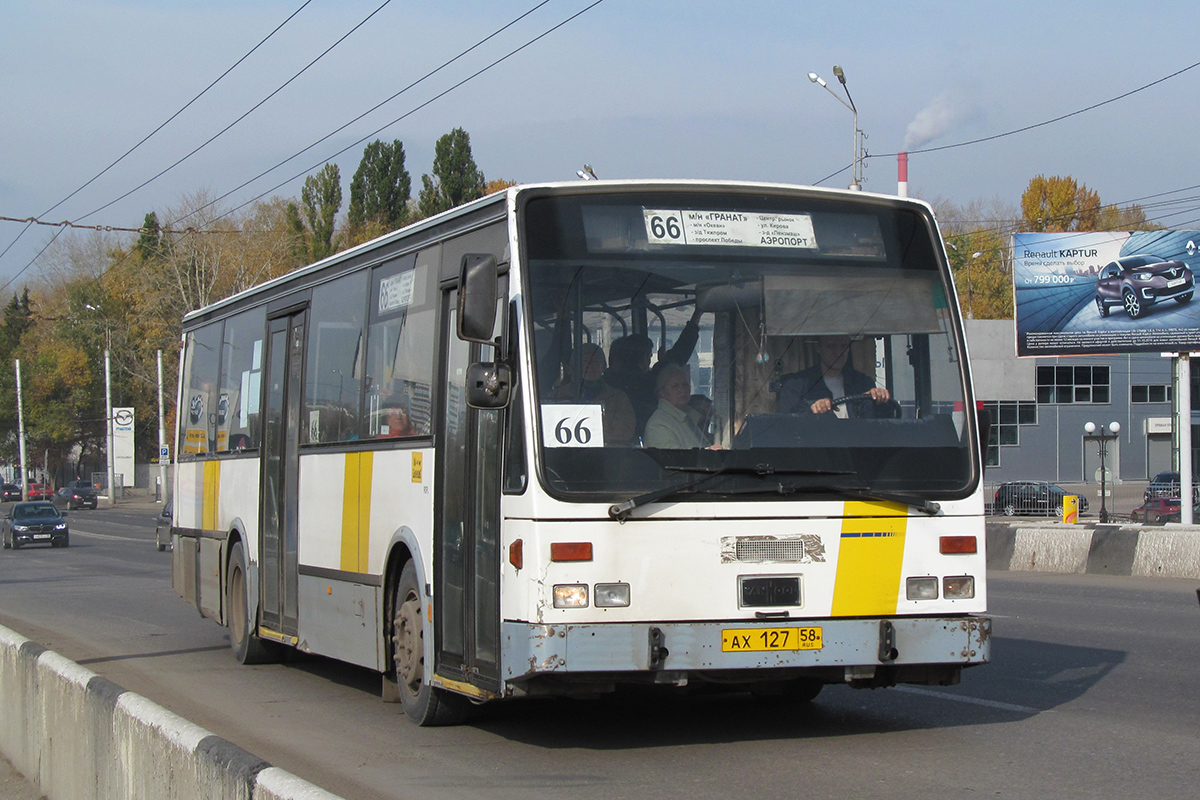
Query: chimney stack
point(902, 174)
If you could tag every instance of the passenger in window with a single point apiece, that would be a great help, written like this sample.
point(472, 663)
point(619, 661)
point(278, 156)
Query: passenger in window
point(629, 368)
point(619, 420)
point(670, 427)
point(395, 418)
point(812, 390)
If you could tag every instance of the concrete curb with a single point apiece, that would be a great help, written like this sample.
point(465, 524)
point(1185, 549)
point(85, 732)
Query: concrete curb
point(1161, 551)
point(74, 734)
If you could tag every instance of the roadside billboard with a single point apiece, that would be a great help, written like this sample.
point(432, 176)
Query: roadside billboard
point(1105, 292)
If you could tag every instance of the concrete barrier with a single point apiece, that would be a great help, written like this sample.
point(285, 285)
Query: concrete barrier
point(74, 734)
point(1164, 551)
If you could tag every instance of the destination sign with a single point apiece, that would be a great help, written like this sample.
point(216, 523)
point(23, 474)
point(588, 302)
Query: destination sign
point(729, 228)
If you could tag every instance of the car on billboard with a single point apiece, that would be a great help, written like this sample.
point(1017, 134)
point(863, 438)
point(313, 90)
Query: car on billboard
point(1136, 283)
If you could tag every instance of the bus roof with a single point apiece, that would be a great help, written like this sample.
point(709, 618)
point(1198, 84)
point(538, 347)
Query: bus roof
point(492, 207)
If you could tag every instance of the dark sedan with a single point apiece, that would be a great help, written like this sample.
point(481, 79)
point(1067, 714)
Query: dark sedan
point(1138, 282)
point(76, 494)
point(34, 523)
point(162, 526)
point(10, 492)
point(1032, 497)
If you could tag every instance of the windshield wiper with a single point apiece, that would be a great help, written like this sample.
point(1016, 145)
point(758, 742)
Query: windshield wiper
point(929, 507)
point(620, 511)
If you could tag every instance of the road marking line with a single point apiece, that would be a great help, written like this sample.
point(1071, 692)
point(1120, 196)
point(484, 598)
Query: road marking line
point(77, 532)
point(958, 698)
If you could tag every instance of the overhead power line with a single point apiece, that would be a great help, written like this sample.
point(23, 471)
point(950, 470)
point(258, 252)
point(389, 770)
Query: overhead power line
point(373, 108)
point(1049, 121)
point(250, 111)
point(407, 114)
point(143, 140)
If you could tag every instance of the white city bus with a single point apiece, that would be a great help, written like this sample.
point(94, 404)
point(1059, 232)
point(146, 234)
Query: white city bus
point(572, 437)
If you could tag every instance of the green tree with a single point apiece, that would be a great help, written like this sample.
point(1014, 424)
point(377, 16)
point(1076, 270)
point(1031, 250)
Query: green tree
point(1059, 204)
point(456, 179)
point(381, 187)
point(322, 199)
point(149, 243)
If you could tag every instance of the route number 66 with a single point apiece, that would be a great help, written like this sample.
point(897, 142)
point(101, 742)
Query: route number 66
point(572, 426)
point(664, 226)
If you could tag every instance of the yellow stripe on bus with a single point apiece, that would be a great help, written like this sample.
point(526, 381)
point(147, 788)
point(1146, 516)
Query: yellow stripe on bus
point(212, 493)
point(869, 559)
point(356, 511)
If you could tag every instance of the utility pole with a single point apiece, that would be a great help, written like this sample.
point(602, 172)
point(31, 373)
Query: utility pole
point(108, 417)
point(162, 433)
point(21, 434)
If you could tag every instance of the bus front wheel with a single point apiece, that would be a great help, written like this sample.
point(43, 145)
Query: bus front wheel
point(247, 647)
point(424, 704)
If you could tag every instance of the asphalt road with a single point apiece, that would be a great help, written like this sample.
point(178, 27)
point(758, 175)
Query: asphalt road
point(1092, 694)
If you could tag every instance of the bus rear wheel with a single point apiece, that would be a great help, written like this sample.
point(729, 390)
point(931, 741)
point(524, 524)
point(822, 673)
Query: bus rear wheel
point(247, 647)
point(423, 704)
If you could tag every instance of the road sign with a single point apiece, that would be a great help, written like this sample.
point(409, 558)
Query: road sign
point(164, 453)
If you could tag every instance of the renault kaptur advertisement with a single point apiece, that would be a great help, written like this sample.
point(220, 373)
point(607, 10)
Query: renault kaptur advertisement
point(1110, 292)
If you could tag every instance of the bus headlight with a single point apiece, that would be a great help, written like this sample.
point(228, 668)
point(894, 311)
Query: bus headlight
point(612, 595)
point(960, 587)
point(921, 588)
point(571, 595)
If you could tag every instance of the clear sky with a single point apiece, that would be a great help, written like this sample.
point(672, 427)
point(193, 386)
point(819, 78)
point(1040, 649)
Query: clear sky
point(636, 88)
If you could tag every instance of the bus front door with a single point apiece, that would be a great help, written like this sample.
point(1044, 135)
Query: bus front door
point(278, 562)
point(467, 596)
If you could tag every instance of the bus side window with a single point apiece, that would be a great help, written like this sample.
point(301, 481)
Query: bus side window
point(333, 375)
point(201, 398)
point(241, 371)
point(400, 350)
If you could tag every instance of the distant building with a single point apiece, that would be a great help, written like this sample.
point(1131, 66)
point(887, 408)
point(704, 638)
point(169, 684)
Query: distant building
point(1040, 405)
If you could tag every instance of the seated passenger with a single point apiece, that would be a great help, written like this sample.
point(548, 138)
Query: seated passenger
point(394, 419)
point(670, 427)
point(812, 390)
point(619, 419)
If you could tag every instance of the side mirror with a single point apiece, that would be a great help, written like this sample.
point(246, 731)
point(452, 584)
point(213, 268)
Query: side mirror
point(489, 385)
point(477, 285)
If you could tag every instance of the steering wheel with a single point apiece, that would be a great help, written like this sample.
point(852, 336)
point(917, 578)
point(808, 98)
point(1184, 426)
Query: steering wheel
point(889, 409)
point(859, 399)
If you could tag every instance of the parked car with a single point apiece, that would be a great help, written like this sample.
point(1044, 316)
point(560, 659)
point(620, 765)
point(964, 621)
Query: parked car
point(1032, 497)
point(34, 523)
point(1138, 282)
point(10, 492)
point(40, 491)
point(1166, 484)
point(76, 494)
point(162, 526)
point(1158, 509)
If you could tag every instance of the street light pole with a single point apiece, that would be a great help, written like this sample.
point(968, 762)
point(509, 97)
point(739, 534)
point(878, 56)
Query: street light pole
point(856, 179)
point(1102, 440)
point(108, 416)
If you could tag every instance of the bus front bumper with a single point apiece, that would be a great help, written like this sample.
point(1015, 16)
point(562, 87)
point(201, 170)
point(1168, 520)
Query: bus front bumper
point(853, 648)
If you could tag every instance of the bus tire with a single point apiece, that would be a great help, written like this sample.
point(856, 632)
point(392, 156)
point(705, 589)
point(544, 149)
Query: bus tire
point(247, 647)
point(423, 704)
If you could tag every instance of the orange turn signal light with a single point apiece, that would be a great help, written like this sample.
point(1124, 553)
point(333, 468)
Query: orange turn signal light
point(958, 544)
point(516, 553)
point(571, 551)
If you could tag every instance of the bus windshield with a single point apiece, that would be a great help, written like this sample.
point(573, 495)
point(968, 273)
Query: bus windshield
point(749, 345)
